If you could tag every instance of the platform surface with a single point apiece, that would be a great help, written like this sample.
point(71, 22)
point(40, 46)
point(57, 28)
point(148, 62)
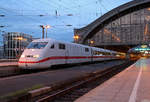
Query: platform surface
point(5, 64)
point(131, 85)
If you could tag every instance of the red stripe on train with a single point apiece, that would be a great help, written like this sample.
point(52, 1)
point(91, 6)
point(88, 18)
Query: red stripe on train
point(65, 57)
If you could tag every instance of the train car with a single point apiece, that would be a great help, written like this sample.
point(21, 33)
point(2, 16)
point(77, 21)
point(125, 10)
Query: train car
point(43, 53)
point(103, 54)
point(121, 55)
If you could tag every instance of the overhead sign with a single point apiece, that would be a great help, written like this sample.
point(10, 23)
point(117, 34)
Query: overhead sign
point(142, 49)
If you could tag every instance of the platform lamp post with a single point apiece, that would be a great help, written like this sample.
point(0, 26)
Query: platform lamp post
point(42, 26)
point(46, 27)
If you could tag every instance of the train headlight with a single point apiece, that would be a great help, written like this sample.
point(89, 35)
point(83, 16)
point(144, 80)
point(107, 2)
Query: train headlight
point(36, 56)
point(22, 56)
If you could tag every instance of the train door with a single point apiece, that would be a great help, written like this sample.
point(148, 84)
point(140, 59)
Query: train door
point(61, 53)
point(52, 52)
point(67, 54)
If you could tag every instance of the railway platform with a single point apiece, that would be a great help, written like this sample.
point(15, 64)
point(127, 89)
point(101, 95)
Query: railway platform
point(7, 64)
point(131, 85)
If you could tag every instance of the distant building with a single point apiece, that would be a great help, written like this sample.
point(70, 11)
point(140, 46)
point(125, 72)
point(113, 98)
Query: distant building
point(15, 43)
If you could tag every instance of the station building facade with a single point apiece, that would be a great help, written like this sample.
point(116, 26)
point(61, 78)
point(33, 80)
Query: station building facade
point(128, 24)
point(132, 28)
point(15, 43)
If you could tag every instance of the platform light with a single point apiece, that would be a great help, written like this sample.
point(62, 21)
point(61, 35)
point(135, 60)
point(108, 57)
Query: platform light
point(92, 42)
point(147, 18)
point(76, 37)
point(44, 27)
point(20, 38)
point(47, 26)
point(148, 9)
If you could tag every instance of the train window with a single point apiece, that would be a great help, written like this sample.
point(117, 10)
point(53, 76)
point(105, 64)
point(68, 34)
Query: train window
point(98, 53)
point(86, 50)
point(61, 46)
point(37, 45)
point(52, 47)
point(107, 53)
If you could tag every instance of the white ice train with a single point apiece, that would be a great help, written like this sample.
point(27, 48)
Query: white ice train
point(42, 53)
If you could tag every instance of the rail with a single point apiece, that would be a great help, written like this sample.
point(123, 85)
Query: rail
point(80, 86)
point(106, 74)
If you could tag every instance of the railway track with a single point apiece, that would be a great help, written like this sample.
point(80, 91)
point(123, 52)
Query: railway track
point(15, 71)
point(72, 92)
point(62, 89)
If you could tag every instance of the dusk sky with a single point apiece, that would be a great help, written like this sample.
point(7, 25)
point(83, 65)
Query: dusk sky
point(62, 15)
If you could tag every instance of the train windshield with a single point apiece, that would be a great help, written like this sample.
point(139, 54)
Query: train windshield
point(37, 45)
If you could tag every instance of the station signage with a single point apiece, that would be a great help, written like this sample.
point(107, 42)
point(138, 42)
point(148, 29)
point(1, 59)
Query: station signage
point(142, 49)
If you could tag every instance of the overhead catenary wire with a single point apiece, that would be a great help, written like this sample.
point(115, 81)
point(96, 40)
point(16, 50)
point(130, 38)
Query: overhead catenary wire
point(63, 12)
point(33, 10)
point(100, 2)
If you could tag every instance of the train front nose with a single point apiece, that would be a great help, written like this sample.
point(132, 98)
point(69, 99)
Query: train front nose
point(29, 60)
point(33, 54)
point(26, 65)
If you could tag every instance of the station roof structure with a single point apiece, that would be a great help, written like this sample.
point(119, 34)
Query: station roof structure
point(90, 30)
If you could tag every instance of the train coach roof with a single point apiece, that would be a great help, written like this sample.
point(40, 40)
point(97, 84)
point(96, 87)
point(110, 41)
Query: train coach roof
point(75, 44)
point(95, 48)
point(43, 40)
point(53, 40)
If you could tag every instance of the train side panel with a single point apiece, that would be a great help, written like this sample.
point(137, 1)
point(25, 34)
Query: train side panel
point(78, 54)
point(98, 54)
